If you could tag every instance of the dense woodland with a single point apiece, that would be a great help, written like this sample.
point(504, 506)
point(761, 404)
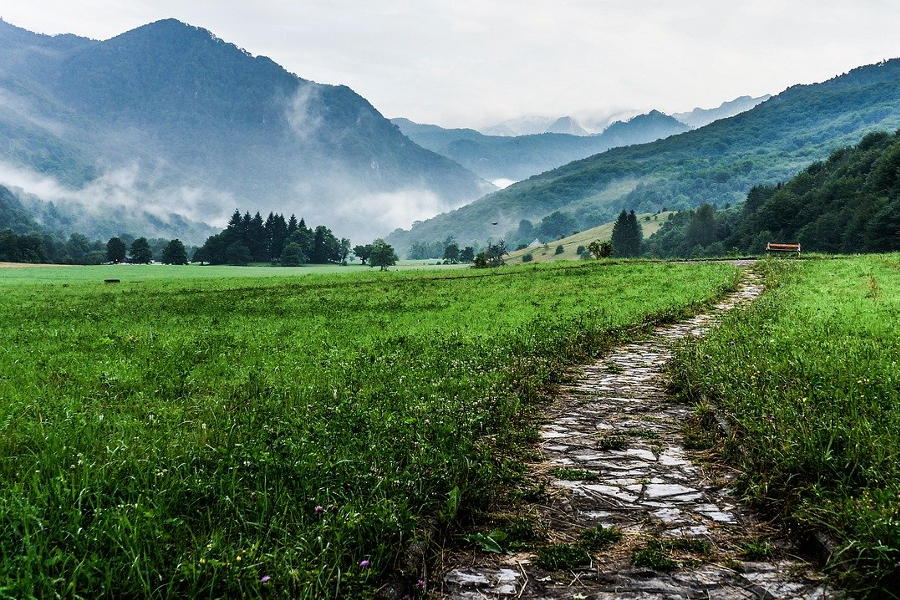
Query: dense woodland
point(290, 242)
point(848, 203)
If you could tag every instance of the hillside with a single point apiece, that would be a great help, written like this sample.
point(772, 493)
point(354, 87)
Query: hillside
point(650, 224)
point(848, 203)
point(171, 122)
point(716, 164)
point(520, 157)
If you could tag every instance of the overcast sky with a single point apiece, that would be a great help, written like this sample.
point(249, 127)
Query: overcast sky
point(475, 62)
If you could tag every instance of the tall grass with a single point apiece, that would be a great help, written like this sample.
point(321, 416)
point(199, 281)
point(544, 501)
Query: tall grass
point(810, 375)
point(279, 437)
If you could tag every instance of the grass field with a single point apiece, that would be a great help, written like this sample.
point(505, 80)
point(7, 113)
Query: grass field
point(15, 274)
point(810, 376)
point(280, 437)
point(650, 224)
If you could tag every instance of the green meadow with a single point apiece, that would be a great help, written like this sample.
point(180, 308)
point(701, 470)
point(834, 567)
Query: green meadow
point(809, 375)
point(137, 273)
point(293, 437)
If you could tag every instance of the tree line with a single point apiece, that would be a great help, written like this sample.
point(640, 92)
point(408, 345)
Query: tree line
point(78, 249)
point(847, 204)
point(288, 242)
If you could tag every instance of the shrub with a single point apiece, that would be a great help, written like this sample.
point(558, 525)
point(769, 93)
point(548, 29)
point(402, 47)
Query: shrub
point(527, 257)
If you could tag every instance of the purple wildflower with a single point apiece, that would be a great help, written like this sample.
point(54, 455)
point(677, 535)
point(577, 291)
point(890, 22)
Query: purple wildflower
point(421, 584)
point(364, 564)
point(265, 579)
point(319, 509)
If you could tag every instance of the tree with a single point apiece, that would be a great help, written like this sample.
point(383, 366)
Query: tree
point(383, 255)
point(292, 255)
point(492, 256)
point(467, 255)
point(237, 254)
point(702, 229)
point(556, 225)
point(174, 253)
point(363, 252)
point(344, 250)
point(451, 253)
point(600, 249)
point(559, 249)
point(140, 251)
point(257, 239)
point(626, 235)
point(116, 250)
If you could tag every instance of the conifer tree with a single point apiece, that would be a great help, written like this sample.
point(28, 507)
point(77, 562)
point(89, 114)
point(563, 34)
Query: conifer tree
point(174, 253)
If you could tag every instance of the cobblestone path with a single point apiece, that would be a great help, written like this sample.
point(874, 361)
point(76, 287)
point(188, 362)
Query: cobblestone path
point(617, 423)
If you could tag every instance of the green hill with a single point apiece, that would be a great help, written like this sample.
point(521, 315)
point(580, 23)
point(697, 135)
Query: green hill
point(716, 164)
point(848, 203)
point(650, 224)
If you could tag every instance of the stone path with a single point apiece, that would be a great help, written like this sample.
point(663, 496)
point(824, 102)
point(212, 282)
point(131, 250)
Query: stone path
point(618, 428)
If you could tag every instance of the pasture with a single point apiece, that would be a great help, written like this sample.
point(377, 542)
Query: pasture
point(809, 375)
point(23, 273)
point(291, 437)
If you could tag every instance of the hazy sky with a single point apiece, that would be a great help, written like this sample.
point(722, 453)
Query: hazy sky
point(474, 62)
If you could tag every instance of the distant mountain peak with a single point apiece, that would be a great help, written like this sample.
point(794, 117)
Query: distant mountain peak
point(699, 117)
point(566, 125)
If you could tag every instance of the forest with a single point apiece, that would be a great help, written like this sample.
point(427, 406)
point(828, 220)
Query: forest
point(849, 203)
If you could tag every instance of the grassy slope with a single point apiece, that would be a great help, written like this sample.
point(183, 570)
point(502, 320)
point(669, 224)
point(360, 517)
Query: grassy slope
point(583, 238)
point(151, 434)
point(810, 376)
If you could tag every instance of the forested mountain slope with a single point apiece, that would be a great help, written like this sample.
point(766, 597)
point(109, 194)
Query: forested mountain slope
point(848, 203)
point(168, 119)
point(716, 164)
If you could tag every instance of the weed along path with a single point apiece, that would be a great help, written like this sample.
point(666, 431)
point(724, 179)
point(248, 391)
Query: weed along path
point(626, 512)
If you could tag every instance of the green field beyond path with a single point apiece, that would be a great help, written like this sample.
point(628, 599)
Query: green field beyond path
point(174, 438)
point(810, 376)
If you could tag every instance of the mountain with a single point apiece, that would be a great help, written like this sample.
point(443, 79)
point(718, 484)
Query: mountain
point(520, 157)
point(715, 164)
point(528, 125)
point(566, 125)
point(13, 215)
point(699, 117)
point(172, 125)
point(848, 203)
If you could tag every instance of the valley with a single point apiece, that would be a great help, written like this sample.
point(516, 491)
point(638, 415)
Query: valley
point(526, 339)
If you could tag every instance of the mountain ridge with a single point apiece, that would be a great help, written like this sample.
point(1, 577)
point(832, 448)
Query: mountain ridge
point(717, 163)
point(179, 121)
point(519, 157)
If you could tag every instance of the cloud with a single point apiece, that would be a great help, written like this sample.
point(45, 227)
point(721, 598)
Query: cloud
point(301, 113)
point(125, 189)
point(18, 108)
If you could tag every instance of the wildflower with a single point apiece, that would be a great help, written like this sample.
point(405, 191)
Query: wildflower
point(265, 579)
point(421, 584)
point(319, 509)
point(364, 564)
point(428, 421)
point(237, 558)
